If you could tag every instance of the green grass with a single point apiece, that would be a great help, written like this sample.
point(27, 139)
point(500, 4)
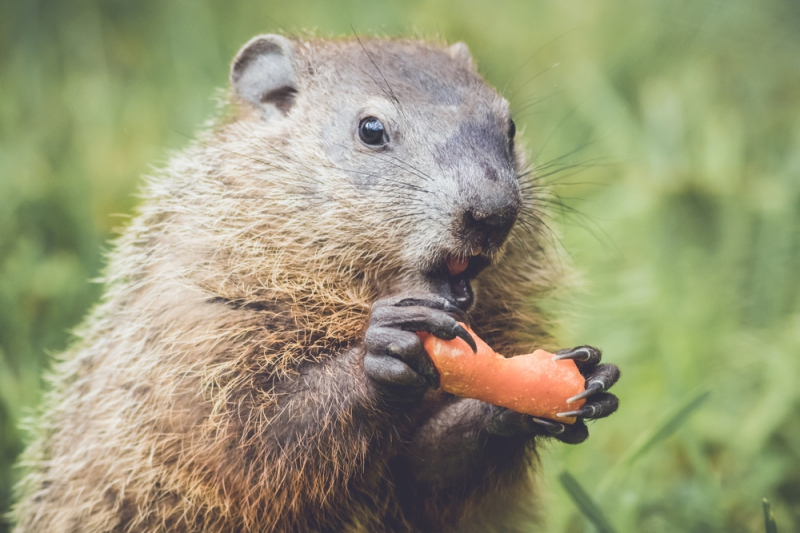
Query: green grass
point(584, 502)
point(769, 520)
point(682, 119)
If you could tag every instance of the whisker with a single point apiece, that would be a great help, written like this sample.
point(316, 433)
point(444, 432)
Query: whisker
point(336, 167)
point(552, 133)
point(537, 52)
point(395, 161)
point(391, 94)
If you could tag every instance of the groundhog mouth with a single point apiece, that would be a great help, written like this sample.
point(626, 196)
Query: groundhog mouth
point(453, 279)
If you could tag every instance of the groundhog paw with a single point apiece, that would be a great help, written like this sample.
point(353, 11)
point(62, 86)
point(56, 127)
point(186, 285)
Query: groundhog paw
point(395, 359)
point(599, 403)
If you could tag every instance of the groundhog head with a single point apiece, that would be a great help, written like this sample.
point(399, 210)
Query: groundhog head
point(388, 159)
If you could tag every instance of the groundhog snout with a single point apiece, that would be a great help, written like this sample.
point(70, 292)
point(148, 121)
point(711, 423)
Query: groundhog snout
point(488, 218)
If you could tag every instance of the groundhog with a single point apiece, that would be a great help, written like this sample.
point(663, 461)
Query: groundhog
point(253, 365)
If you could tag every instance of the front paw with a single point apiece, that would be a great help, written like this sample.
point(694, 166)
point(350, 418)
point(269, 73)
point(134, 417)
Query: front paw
point(599, 404)
point(395, 359)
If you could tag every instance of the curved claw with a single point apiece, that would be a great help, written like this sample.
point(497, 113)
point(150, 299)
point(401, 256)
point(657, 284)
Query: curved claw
point(584, 355)
point(602, 378)
point(587, 411)
point(592, 388)
point(599, 406)
point(555, 428)
point(463, 334)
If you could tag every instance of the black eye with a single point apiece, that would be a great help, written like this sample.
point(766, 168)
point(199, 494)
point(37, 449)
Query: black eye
point(372, 132)
point(512, 131)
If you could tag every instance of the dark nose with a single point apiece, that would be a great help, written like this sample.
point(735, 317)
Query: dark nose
point(490, 216)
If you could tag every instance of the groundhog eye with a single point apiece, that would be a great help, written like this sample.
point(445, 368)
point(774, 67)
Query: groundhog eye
point(512, 129)
point(372, 132)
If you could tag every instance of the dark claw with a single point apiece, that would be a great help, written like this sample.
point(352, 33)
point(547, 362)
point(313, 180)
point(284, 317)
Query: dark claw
point(583, 412)
point(554, 428)
point(590, 410)
point(463, 334)
point(599, 406)
point(600, 380)
point(420, 318)
point(584, 356)
point(591, 388)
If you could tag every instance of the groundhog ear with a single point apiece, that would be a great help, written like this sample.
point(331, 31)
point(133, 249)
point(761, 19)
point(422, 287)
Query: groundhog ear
point(263, 74)
point(460, 53)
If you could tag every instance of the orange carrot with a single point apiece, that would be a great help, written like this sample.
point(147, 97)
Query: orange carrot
point(532, 383)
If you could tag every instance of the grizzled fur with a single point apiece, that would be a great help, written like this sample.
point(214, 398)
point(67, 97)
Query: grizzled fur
point(219, 386)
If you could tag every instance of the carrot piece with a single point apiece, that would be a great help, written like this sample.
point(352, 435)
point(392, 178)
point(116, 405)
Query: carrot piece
point(532, 383)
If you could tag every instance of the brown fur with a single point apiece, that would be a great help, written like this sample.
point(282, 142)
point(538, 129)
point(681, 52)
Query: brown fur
point(197, 398)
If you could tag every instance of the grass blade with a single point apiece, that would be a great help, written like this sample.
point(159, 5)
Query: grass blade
point(769, 520)
point(666, 428)
point(585, 503)
point(661, 431)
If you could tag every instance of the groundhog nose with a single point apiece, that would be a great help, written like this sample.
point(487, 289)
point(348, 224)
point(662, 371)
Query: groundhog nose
point(491, 219)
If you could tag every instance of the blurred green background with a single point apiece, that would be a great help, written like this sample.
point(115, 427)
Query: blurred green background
point(670, 129)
